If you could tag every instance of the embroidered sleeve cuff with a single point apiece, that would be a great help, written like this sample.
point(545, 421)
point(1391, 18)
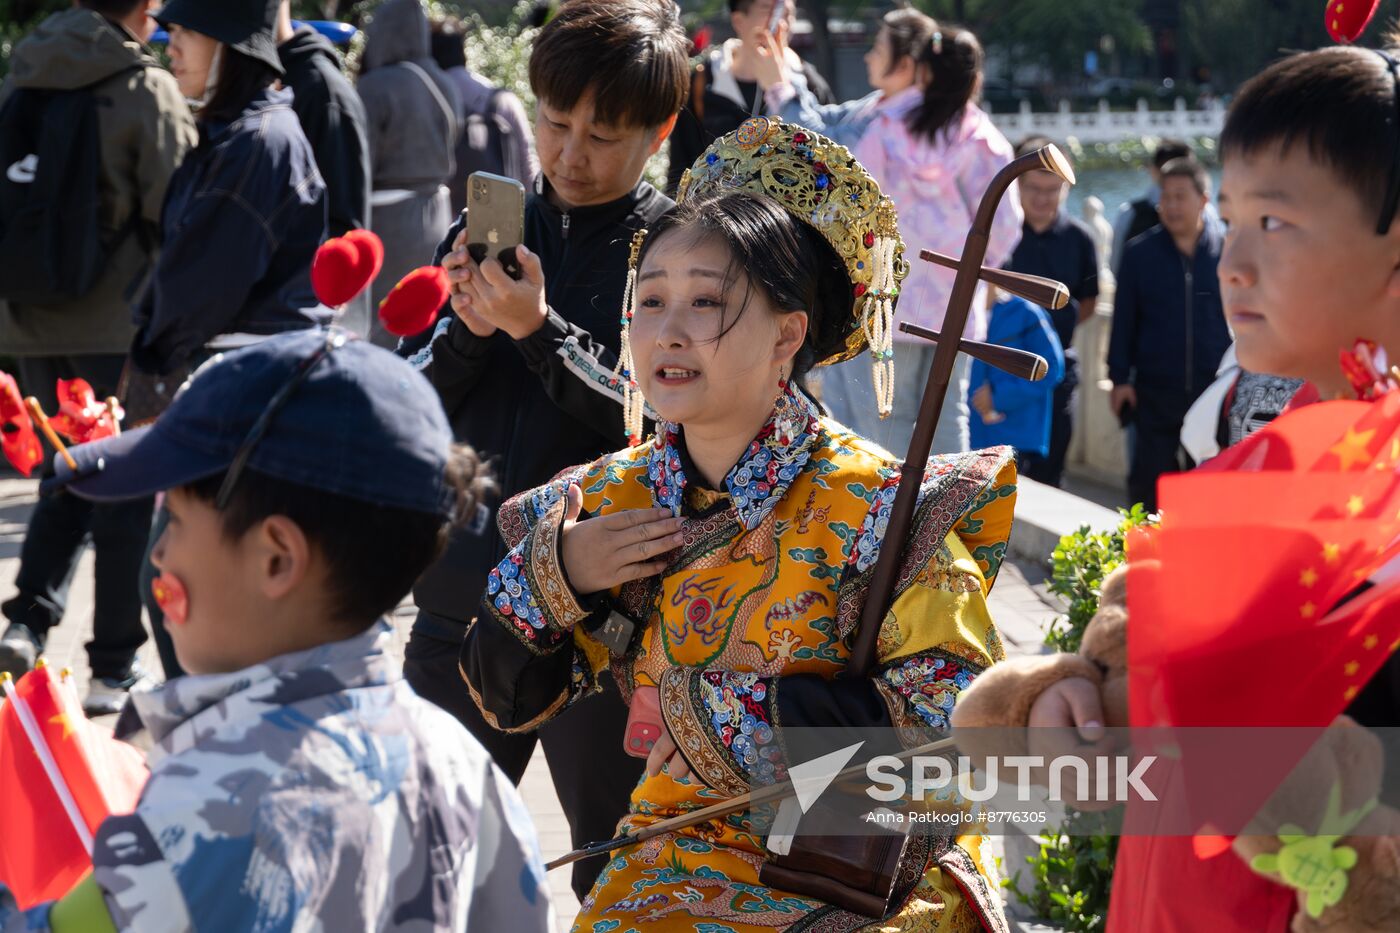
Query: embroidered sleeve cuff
point(725, 724)
point(922, 688)
point(528, 592)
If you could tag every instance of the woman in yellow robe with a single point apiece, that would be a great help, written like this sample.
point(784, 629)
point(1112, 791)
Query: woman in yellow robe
point(724, 563)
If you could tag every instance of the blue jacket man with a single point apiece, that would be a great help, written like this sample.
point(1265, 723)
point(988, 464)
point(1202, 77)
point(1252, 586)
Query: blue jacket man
point(1169, 331)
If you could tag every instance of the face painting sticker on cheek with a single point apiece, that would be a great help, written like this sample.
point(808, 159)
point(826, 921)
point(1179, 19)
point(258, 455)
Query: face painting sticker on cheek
point(171, 597)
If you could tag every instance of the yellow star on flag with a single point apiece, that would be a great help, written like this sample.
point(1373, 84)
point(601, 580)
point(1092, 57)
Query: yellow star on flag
point(1308, 577)
point(1351, 449)
point(1331, 553)
point(1308, 610)
point(63, 720)
point(1351, 668)
point(1350, 694)
point(1355, 505)
point(1370, 642)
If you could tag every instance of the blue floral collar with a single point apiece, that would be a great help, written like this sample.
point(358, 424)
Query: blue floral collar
point(759, 480)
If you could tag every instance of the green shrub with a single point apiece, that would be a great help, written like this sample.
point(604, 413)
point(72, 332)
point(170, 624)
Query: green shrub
point(1072, 874)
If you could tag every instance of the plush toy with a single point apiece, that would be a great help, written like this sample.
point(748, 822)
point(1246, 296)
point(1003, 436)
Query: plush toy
point(1339, 850)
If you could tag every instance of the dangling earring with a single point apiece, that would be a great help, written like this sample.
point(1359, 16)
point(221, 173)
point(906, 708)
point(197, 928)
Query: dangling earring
point(877, 319)
point(626, 371)
point(782, 382)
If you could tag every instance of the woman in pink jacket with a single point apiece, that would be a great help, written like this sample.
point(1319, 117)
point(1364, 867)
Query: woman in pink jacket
point(933, 151)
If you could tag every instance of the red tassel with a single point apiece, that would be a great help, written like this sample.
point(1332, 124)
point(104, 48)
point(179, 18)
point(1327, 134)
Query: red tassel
point(414, 303)
point(1346, 20)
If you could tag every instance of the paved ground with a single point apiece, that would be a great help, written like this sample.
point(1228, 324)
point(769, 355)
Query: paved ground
point(1019, 604)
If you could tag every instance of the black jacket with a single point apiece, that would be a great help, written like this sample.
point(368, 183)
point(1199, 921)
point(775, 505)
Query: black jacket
point(538, 405)
point(333, 119)
point(243, 218)
point(1169, 331)
point(697, 127)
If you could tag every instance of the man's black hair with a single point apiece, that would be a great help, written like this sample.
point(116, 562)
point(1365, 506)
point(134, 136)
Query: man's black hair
point(1169, 149)
point(1188, 167)
point(632, 54)
point(449, 47)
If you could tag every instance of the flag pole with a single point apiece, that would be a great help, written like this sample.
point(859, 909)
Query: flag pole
point(46, 760)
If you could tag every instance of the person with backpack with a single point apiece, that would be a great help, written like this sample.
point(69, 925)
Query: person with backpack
point(495, 133)
point(91, 131)
point(414, 122)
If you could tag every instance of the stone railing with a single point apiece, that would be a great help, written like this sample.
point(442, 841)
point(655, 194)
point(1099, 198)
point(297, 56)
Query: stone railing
point(1105, 126)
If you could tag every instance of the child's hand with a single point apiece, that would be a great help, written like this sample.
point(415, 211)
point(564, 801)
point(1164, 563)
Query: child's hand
point(601, 553)
point(1067, 721)
point(983, 404)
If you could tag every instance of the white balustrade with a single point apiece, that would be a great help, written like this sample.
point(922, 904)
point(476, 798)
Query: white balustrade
point(1103, 125)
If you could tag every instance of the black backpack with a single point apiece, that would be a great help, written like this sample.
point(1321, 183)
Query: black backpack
point(483, 146)
point(52, 248)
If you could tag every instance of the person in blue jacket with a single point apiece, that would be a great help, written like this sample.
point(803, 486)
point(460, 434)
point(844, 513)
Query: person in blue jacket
point(1008, 409)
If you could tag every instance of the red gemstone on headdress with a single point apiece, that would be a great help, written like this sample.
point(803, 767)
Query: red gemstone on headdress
point(821, 167)
point(860, 289)
point(799, 137)
point(869, 240)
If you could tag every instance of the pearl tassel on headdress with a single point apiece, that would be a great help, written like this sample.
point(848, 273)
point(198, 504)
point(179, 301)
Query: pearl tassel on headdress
point(877, 319)
point(626, 371)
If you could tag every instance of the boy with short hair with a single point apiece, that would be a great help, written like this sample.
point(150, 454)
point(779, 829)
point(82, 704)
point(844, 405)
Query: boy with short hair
point(1310, 265)
point(296, 779)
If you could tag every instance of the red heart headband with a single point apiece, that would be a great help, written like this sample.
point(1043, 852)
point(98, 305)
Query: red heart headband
point(345, 266)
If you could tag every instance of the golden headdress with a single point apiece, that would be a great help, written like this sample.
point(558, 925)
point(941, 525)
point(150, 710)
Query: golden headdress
point(819, 182)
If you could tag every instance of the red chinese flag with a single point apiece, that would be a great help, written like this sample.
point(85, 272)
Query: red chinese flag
point(42, 856)
point(21, 444)
point(1235, 626)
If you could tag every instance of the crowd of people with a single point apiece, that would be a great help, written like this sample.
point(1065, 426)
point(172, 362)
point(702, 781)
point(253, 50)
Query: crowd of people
point(638, 488)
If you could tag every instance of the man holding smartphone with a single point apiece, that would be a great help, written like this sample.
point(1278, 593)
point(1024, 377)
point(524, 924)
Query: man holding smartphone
point(524, 365)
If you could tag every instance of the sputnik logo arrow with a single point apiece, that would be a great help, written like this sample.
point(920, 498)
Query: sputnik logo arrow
point(810, 779)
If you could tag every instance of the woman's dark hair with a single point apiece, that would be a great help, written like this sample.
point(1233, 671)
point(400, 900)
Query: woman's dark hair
point(374, 553)
point(908, 33)
point(240, 79)
point(783, 257)
point(953, 58)
point(448, 43)
point(632, 54)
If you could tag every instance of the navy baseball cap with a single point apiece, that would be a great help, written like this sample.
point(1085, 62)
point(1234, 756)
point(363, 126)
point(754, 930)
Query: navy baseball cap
point(360, 422)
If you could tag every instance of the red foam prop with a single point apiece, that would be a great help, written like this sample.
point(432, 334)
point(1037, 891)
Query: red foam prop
point(1346, 20)
point(371, 250)
point(335, 272)
point(413, 304)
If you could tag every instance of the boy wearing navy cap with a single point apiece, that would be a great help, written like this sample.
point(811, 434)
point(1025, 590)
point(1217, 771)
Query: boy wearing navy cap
point(296, 780)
